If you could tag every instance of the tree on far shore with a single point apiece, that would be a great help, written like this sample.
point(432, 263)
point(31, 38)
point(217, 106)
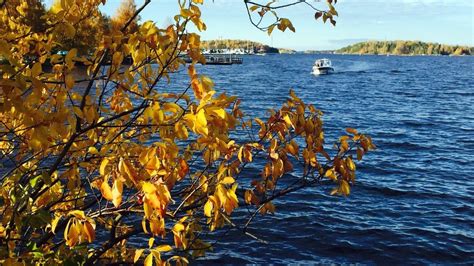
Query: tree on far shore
point(123, 14)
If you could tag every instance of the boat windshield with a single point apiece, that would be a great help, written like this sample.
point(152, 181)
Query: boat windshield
point(323, 63)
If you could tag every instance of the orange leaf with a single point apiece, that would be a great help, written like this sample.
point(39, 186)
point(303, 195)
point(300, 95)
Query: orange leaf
point(89, 231)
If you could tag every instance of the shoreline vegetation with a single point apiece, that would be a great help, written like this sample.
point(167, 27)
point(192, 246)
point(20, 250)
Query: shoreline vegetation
point(243, 46)
point(404, 48)
point(407, 48)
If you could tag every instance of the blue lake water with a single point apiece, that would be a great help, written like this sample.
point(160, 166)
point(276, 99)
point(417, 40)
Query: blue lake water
point(414, 199)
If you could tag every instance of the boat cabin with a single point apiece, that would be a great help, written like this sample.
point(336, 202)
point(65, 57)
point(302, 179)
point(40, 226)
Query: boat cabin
point(323, 63)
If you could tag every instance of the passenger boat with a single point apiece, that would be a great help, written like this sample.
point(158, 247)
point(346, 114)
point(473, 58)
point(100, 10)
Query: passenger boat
point(322, 67)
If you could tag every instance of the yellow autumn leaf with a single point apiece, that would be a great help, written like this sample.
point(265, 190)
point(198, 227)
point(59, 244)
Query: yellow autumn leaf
point(330, 174)
point(178, 227)
point(103, 164)
point(70, 56)
point(93, 150)
point(171, 107)
point(144, 226)
point(181, 131)
point(201, 123)
point(148, 260)
point(240, 153)
point(186, 13)
point(36, 70)
point(78, 214)
point(201, 118)
point(207, 83)
point(292, 148)
point(89, 114)
point(106, 191)
point(208, 208)
point(350, 164)
point(150, 196)
point(273, 145)
point(150, 242)
point(138, 254)
point(69, 81)
point(227, 180)
point(157, 227)
point(127, 170)
point(164, 248)
point(148, 188)
point(54, 223)
point(287, 120)
point(117, 58)
point(219, 112)
point(345, 188)
point(148, 209)
point(117, 189)
point(277, 169)
point(72, 232)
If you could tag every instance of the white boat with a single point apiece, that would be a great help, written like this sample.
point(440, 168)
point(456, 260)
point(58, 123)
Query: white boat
point(322, 67)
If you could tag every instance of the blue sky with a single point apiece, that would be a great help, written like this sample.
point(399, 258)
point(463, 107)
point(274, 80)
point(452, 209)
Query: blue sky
point(443, 21)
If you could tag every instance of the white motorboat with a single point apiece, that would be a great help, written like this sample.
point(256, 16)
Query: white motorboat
point(322, 67)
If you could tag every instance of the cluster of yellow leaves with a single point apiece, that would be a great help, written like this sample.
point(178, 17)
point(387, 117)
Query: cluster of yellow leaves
point(79, 229)
point(343, 170)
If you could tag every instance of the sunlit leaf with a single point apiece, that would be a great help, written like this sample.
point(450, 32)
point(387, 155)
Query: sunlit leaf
point(148, 260)
point(138, 254)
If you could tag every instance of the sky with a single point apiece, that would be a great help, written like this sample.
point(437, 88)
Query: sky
point(442, 21)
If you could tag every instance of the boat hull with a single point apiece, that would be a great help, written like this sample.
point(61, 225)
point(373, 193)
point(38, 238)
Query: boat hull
point(322, 70)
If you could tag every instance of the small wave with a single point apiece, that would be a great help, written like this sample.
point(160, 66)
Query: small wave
point(403, 145)
point(385, 191)
point(460, 93)
point(396, 71)
point(464, 209)
point(417, 123)
point(433, 195)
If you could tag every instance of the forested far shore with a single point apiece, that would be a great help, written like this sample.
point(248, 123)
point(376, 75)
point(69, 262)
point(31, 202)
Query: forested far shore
point(405, 48)
point(242, 44)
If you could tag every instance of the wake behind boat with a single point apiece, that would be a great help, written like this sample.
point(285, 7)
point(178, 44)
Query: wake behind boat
point(322, 67)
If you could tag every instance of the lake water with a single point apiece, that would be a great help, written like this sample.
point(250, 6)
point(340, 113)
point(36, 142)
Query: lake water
point(414, 199)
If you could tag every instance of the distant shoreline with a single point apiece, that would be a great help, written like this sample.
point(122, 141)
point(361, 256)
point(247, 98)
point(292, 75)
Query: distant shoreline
point(406, 55)
point(383, 48)
point(405, 48)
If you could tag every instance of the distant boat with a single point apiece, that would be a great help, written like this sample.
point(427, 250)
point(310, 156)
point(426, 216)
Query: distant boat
point(223, 59)
point(322, 67)
point(217, 59)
